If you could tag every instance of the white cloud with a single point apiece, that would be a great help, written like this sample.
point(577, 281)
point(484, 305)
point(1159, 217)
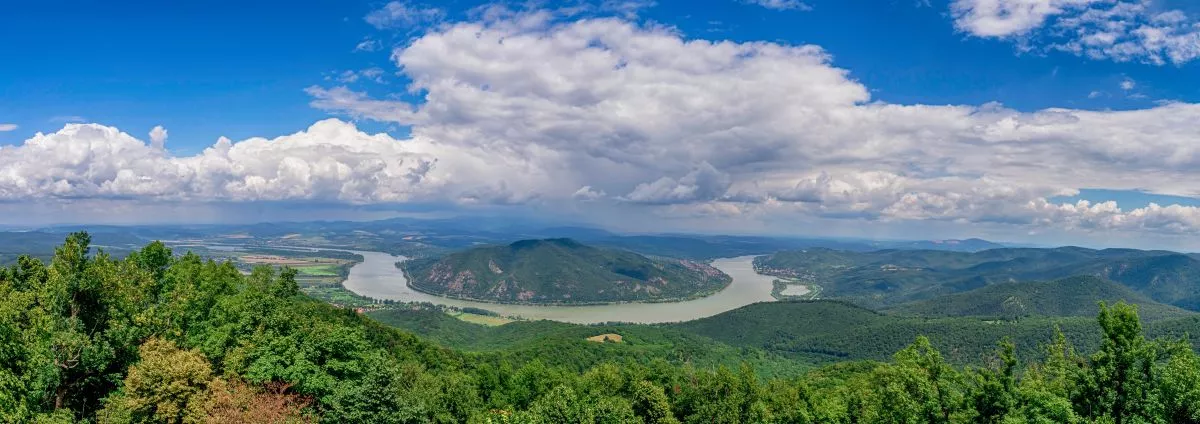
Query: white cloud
point(400, 14)
point(781, 4)
point(1095, 94)
point(697, 122)
point(158, 137)
point(520, 109)
point(587, 193)
point(1119, 30)
point(1005, 18)
point(8, 127)
point(1128, 84)
point(331, 161)
point(359, 105)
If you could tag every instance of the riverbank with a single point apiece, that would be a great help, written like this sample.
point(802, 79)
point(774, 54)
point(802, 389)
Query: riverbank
point(378, 277)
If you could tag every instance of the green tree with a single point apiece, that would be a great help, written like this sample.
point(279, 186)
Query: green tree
point(1178, 384)
point(1119, 383)
point(993, 394)
point(161, 386)
point(651, 404)
point(920, 387)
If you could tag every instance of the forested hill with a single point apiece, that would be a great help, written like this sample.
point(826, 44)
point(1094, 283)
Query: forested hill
point(1073, 296)
point(891, 277)
point(561, 271)
point(833, 330)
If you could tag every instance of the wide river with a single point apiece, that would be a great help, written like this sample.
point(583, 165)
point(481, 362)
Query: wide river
point(378, 277)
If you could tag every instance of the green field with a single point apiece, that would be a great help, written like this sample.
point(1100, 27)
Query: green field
point(327, 270)
point(488, 320)
point(337, 295)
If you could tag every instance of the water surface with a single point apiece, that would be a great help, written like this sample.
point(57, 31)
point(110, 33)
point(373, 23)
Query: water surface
point(378, 277)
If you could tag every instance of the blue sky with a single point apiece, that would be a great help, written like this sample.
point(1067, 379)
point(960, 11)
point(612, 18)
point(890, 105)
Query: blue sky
point(916, 74)
point(226, 68)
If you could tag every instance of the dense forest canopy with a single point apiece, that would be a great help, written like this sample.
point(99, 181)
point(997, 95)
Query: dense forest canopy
point(156, 337)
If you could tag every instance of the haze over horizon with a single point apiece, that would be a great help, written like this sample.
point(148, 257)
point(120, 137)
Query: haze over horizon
point(1032, 121)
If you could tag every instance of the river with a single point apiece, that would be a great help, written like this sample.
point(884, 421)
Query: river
point(378, 277)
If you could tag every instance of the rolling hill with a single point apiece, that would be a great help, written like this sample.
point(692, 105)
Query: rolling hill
point(815, 331)
point(563, 344)
point(1073, 296)
point(892, 277)
point(561, 271)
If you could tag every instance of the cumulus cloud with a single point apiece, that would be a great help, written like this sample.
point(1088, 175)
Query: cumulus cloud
point(525, 107)
point(1128, 84)
point(752, 126)
point(330, 161)
point(1119, 30)
point(701, 184)
point(8, 127)
point(158, 137)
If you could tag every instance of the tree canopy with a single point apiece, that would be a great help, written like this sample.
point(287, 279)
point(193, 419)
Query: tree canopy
point(156, 337)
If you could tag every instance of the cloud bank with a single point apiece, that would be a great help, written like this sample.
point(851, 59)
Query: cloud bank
point(521, 108)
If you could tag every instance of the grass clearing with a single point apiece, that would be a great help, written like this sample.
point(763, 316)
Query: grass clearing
point(327, 270)
point(491, 321)
point(606, 338)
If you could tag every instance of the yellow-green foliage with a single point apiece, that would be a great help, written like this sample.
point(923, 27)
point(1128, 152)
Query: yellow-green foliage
point(161, 386)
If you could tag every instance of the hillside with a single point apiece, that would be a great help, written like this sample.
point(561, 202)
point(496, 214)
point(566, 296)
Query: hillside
point(561, 271)
point(566, 345)
point(892, 277)
point(837, 331)
point(1073, 296)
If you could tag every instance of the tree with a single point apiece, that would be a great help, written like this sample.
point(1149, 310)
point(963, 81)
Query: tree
point(1119, 383)
point(1178, 384)
point(230, 402)
point(160, 387)
point(651, 404)
point(920, 387)
point(993, 394)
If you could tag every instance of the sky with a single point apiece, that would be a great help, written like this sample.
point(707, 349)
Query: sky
point(1043, 121)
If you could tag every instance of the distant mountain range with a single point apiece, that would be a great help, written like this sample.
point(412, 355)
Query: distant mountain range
point(891, 277)
point(561, 271)
point(968, 245)
point(403, 235)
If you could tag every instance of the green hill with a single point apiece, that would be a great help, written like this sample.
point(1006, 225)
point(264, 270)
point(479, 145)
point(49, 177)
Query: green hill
point(1073, 296)
point(561, 271)
point(892, 277)
point(836, 331)
point(566, 345)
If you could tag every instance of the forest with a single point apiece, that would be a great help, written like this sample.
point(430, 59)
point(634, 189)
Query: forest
point(159, 337)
